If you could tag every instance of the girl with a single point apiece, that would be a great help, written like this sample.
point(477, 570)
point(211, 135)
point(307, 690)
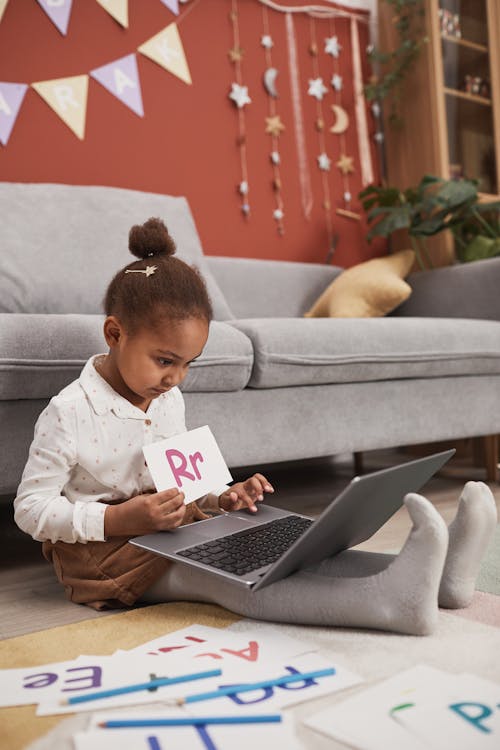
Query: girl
point(86, 491)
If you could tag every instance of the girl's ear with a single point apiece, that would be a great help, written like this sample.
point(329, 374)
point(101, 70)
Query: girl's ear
point(113, 331)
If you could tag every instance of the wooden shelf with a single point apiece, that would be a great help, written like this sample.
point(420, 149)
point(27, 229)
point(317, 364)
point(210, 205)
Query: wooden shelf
point(468, 97)
point(465, 43)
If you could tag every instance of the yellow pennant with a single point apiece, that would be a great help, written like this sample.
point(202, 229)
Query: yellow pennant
point(166, 49)
point(3, 3)
point(68, 99)
point(118, 9)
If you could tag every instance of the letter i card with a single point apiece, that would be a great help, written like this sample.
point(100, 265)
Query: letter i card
point(191, 461)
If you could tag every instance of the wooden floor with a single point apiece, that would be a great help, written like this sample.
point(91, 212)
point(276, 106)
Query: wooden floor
point(31, 599)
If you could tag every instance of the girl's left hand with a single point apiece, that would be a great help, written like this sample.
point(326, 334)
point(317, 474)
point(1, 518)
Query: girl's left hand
point(245, 494)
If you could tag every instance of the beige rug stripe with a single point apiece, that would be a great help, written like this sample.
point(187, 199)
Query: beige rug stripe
point(20, 725)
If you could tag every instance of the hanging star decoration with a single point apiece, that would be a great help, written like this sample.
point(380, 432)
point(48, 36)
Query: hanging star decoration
point(337, 82)
point(239, 95)
point(332, 46)
point(347, 196)
point(278, 214)
point(236, 54)
point(317, 88)
point(324, 163)
point(378, 137)
point(345, 164)
point(274, 126)
point(266, 41)
point(243, 187)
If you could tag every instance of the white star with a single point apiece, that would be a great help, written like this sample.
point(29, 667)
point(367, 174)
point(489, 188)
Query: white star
point(317, 88)
point(243, 187)
point(266, 41)
point(278, 214)
point(376, 109)
point(337, 82)
point(347, 196)
point(324, 162)
point(332, 46)
point(275, 157)
point(239, 95)
point(378, 137)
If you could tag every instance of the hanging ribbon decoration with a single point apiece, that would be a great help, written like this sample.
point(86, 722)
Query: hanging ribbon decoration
point(365, 156)
point(298, 116)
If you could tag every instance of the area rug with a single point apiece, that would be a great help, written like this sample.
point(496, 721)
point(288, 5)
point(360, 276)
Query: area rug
point(489, 575)
point(458, 645)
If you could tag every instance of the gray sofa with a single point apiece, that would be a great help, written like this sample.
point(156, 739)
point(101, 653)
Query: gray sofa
point(271, 384)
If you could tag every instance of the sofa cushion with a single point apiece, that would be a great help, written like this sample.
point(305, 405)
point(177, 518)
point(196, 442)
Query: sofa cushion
point(367, 290)
point(40, 354)
point(289, 352)
point(62, 244)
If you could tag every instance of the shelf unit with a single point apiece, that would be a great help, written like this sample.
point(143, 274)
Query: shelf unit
point(449, 130)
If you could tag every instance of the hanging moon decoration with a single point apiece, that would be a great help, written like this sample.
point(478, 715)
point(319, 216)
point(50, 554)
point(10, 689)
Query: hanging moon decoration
point(270, 82)
point(342, 119)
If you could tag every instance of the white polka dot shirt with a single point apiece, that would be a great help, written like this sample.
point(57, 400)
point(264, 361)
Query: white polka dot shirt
point(86, 453)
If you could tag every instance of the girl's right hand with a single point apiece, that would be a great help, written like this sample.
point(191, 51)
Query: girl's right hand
point(144, 514)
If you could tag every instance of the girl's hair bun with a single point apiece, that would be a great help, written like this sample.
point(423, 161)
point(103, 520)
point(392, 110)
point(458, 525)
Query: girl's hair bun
point(149, 239)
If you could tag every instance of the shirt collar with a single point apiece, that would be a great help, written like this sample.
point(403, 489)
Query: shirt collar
point(103, 397)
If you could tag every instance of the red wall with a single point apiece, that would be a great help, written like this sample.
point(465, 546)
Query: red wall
point(186, 143)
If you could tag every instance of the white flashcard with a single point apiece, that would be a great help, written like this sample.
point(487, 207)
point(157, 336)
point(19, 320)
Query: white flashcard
point(29, 685)
point(378, 730)
point(191, 461)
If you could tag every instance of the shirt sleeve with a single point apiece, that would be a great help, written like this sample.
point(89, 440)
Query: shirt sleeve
point(40, 508)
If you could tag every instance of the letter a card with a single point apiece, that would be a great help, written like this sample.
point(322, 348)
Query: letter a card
point(191, 461)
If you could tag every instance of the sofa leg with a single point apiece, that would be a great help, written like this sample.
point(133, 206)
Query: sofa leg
point(490, 443)
point(358, 463)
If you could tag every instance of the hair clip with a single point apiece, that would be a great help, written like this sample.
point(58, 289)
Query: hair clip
point(148, 271)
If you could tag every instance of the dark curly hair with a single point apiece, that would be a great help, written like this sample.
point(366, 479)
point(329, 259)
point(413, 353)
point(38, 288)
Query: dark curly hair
point(174, 290)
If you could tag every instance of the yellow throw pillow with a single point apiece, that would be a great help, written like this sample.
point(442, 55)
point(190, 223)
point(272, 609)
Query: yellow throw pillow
point(368, 290)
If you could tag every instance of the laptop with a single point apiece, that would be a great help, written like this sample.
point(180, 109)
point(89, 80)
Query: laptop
point(256, 549)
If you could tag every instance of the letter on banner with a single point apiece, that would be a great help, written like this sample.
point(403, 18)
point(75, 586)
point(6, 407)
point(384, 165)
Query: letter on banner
point(68, 98)
point(121, 78)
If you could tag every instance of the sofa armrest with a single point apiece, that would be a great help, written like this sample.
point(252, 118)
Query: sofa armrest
point(270, 288)
point(468, 290)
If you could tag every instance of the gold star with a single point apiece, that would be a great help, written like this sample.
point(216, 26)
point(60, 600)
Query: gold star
point(236, 54)
point(274, 126)
point(345, 164)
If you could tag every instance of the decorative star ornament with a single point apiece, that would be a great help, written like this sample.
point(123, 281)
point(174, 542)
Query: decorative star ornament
point(274, 126)
point(236, 54)
point(275, 157)
point(347, 196)
point(278, 214)
point(266, 41)
point(337, 82)
point(376, 109)
point(243, 187)
point(148, 271)
point(378, 137)
point(345, 164)
point(332, 46)
point(239, 95)
point(317, 88)
point(324, 163)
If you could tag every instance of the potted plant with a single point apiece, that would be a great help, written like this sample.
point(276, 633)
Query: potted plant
point(433, 206)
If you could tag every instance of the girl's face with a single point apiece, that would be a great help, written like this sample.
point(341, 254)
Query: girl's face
point(147, 363)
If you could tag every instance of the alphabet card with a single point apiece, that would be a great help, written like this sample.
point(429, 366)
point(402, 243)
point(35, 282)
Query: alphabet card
point(191, 461)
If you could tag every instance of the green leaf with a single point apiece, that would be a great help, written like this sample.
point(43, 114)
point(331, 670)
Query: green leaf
point(480, 248)
point(398, 218)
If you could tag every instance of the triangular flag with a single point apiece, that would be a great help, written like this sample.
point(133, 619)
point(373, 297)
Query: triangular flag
point(58, 11)
point(172, 5)
point(118, 9)
point(3, 3)
point(166, 49)
point(11, 98)
point(121, 78)
point(68, 99)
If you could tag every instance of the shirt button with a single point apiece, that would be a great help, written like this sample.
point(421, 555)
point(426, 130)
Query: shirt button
point(147, 422)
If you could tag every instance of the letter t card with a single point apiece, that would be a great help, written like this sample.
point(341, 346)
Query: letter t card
point(191, 461)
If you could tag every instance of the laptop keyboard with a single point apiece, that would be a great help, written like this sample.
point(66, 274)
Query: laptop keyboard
point(250, 549)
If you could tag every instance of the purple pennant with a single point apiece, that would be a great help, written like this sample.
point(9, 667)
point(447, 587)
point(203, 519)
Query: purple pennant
point(172, 5)
point(58, 11)
point(11, 98)
point(121, 78)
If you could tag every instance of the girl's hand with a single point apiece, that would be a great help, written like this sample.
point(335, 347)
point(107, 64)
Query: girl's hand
point(245, 494)
point(144, 514)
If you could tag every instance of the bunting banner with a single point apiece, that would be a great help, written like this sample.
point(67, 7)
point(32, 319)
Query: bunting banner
point(58, 11)
point(118, 9)
point(166, 50)
point(172, 5)
point(121, 78)
point(3, 4)
point(11, 98)
point(68, 98)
